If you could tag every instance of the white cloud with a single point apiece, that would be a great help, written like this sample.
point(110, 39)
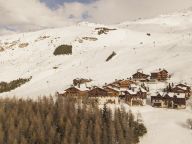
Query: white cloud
point(114, 11)
point(24, 14)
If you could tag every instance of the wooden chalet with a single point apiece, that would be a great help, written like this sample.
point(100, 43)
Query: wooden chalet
point(123, 83)
point(140, 76)
point(160, 75)
point(104, 95)
point(97, 92)
point(182, 88)
point(74, 92)
point(111, 91)
point(135, 96)
point(169, 100)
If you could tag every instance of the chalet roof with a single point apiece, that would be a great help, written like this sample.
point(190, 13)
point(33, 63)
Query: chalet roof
point(83, 88)
point(133, 86)
point(171, 95)
point(180, 95)
point(183, 88)
point(143, 90)
point(137, 88)
point(132, 92)
point(96, 87)
point(157, 95)
point(140, 73)
point(123, 89)
point(72, 88)
point(159, 70)
point(113, 85)
point(113, 89)
point(126, 81)
point(182, 85)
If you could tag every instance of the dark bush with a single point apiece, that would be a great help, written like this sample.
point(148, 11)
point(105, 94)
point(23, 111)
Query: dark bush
point(5, 87)
point(111, 56)
point(63, 50)
point(103, 30)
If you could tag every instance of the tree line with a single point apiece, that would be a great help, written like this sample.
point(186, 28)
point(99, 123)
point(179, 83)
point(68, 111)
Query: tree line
point(8, 86)
point(66, 121)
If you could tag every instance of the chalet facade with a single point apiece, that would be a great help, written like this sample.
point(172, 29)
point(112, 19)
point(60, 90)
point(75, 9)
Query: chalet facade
point(111, 91)
point(97, 92)
point(140, 76)
point(104, 95)
point(182, 88)
point(135, 96)
point(74, 92)
point(160, 75)
point(169, 100)
point(123, 83)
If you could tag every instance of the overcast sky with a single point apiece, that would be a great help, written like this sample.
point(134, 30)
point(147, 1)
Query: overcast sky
point(32, 14)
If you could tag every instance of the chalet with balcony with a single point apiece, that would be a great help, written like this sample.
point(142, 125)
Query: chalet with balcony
point(97, 92)
point(135, 95)
point(123, 83)
point(74, 92)
point(160, 75)
point(169, 100)
point(140, 76)
point(111, 91)
point(104, 95)
point(182, 88)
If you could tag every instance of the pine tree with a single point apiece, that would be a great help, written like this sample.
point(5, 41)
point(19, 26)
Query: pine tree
point(1, 134)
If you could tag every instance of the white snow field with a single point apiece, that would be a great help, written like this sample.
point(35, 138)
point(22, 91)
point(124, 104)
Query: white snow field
point(169, 46)
point(165, 126)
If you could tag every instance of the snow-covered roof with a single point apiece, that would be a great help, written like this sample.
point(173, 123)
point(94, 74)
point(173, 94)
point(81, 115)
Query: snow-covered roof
point(132, 92)
point(112, 87)
point(123, 89)
point(183, 88)
point(158, 70)
point(178, 95)
point(83, 88)
point(133, 86)
point(138, 72)
point(143, 90)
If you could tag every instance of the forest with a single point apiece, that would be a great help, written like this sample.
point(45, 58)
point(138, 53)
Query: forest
point(66, 121)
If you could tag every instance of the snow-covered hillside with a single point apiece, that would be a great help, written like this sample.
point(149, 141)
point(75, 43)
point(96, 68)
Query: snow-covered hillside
point(167, 45)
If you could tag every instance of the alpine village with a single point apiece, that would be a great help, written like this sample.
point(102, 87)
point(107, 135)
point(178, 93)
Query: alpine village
point(135, 91)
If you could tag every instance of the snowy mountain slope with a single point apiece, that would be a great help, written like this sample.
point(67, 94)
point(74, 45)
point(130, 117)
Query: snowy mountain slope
point(165, 49)
point(133, 47)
